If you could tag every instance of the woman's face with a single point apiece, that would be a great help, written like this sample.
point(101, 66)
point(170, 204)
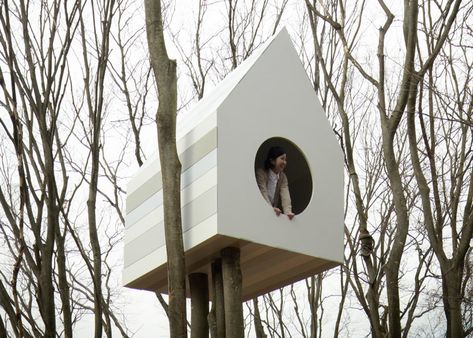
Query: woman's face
point(279, 163)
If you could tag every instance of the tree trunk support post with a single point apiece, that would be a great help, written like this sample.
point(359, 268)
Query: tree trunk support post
point(232, 290)
point(199, 290)
point(217, 314)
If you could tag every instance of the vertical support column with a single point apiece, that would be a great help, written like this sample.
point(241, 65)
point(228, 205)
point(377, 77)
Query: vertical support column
point(199, 289)
point(232, 290)
point(217, 314)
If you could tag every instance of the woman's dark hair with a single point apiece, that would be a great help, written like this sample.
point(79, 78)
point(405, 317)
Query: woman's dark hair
point(273, 153)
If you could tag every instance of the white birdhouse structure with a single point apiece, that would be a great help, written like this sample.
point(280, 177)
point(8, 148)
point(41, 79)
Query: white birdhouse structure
point(268, 100)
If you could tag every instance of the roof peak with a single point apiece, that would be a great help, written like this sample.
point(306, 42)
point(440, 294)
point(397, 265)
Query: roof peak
point(215, 97)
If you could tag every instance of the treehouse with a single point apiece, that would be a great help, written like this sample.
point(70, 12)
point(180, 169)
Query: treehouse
point(267, 101)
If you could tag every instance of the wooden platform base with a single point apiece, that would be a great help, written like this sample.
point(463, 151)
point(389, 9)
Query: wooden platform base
point(264, 268)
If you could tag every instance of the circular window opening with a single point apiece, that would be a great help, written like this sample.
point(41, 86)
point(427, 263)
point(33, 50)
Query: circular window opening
point(296, 170)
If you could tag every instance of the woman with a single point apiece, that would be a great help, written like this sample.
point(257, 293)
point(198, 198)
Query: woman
point(272, 182)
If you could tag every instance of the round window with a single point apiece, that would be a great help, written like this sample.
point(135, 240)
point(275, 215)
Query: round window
point(296, 170)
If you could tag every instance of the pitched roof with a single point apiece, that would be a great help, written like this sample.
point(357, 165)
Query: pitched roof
point(215, 97)
point(187, 121)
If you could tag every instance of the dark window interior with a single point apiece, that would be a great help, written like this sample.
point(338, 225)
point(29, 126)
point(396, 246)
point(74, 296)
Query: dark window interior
point(297, 171)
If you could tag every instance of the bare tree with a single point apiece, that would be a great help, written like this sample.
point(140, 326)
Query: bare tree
point(392, 108)
point(45, 290)
point(33, 98)
point(94, 92)
point(165, 73)
point(440, 151)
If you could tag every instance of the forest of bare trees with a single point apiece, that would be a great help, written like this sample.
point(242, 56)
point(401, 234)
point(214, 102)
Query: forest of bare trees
point(81, 82)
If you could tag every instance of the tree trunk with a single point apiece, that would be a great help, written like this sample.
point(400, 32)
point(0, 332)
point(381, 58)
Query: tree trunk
point(199, 288)
point(259, 330)
point(93, 234)
point(165, 72)
point(451, 283)
point(96, 111)
point(393, 263)
point(63, 286)
point(232, 292)
point(46, 288)
point(217, 314)
point(389, 128)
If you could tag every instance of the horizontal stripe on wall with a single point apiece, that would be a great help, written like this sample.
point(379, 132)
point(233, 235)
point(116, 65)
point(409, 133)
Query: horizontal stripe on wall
point(152, 165)
point(156, 258)
point(188, 158)
point(192, 214)
point(154, 201)
point(191, 192)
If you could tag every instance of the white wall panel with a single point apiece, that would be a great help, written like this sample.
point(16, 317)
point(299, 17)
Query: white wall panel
point(199, 233)
point(194, 213)
point(199, 169)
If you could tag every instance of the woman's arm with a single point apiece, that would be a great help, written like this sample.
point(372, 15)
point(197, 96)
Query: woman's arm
point(285, 196)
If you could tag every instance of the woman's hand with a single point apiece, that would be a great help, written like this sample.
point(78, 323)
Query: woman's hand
point(277, 211)
point(290, 215)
